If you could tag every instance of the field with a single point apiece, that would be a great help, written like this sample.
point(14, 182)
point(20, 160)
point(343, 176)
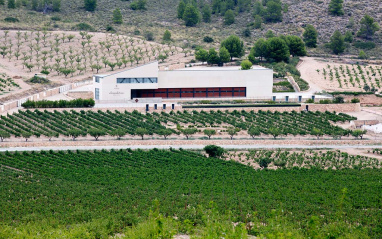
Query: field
point(60, 191)
point(52, 124)
point(7, 84)
point(340, 76)
point(162, 15)
point(69, 56)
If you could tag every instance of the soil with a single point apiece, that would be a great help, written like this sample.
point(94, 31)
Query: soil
point(309, 68)
point(15, 68)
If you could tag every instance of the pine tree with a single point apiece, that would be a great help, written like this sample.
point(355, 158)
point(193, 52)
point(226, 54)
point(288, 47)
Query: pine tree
point(224, 55)
point(273, 13)
point(56, 5)
point(234, 45)
point(335, 7)
point(310, 36)
point(2, 2)
point(206, 13)
point(191, 15)
point(258, 22)
point(11, 4)
point(167, 36)
point(181, 8)
point(296, 46)
point(337, 43)
point(117, 16)
point(277, 50)
point(90, 5)
point(213, 57)
point(229, 17)
point(368, 27)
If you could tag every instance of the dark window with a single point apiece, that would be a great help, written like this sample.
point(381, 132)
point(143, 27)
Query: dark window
point(96, 93)
point(194, 92)
point(137, 80)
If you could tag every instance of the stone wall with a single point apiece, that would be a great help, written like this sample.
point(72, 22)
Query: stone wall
point(41, 95)
point(80, 94)
point(339, 108)
point(366, 100)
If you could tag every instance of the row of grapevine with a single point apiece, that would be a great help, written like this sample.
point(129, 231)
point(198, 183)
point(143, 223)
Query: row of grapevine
point(68, 187)
point(46, 123)
point(348, 76)
point(304, 159)
point(7, 84)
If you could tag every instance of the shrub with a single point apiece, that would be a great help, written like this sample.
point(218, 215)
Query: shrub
point(246, 65)
point(208, 39)
point(355, 100)
point(39, 80)
point(84, 27)
point(309, 101)
point(11, 19)
point(77, 103)
point(325, 102)
point(364, 45)
point(264, 162)
point(149, 36)
point(55, 18)
point(110, 28)
point(90, 5)
point(138, 5)
point(214, 151)
point(339, 100)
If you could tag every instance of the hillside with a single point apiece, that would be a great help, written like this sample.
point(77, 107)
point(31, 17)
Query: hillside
point(162, 15)
point(88, 194)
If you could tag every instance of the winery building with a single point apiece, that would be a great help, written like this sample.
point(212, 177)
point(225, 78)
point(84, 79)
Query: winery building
point(148, 81)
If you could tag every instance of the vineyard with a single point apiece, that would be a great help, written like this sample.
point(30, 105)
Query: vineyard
point(7, 84)
point(304, 159)
point(52, 124)
point(60, 189)
point(367, 78)
point(74, 53)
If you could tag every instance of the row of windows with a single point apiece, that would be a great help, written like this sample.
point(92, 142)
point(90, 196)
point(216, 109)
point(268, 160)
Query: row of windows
point(137, 80)
point(192, 92)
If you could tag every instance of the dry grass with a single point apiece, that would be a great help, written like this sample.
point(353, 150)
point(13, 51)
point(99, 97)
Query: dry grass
point(161, 15)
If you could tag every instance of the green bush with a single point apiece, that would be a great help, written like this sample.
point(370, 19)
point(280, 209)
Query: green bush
point(84, 27)
point(138, 5)
point(214, 151)
point(77, 103)
point(355, 100)
point(364, 45)
point(39, 80)
point(55, 18)
point(11, 19)
point(208, 39)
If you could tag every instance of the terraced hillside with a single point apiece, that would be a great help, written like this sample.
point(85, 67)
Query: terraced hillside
point(162, 15)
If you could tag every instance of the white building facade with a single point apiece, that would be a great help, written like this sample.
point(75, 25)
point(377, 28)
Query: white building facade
point(194, 82)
